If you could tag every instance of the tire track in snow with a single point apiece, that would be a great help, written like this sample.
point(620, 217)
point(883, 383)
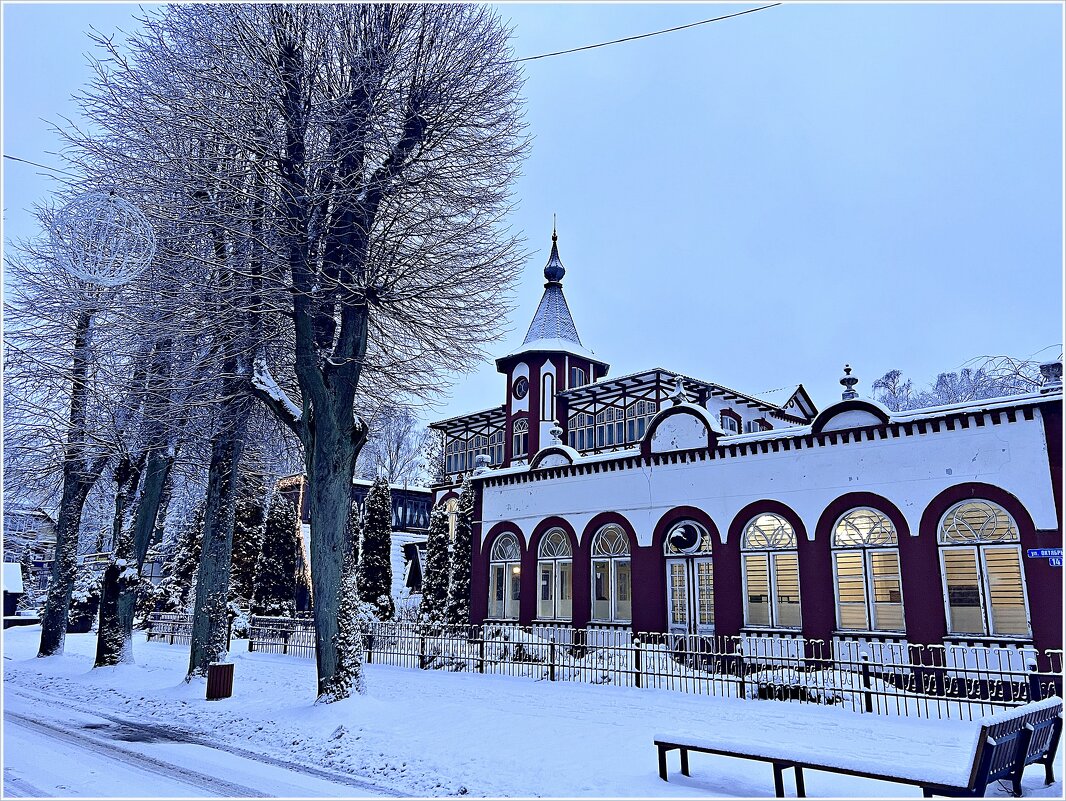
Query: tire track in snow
point(177, 734)
point(14, 787)
point(133, 758)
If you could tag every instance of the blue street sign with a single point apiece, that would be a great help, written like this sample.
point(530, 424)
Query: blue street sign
point(1055, 561)
point(1045, 553)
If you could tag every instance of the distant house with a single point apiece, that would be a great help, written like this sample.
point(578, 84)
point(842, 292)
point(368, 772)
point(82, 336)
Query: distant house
point(30, 531)
point(410, 525)
point(13, 588)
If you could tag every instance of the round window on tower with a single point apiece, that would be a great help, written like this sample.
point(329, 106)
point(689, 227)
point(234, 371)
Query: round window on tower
point(520, 387)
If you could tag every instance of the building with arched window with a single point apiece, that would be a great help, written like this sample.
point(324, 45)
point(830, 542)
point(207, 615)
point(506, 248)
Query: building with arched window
point(657, 502)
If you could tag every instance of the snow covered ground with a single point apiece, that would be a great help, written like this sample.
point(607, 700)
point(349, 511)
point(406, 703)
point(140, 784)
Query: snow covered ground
point(140, 731)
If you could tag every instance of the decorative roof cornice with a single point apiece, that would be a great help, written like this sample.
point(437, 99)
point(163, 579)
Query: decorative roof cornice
point(916, 422)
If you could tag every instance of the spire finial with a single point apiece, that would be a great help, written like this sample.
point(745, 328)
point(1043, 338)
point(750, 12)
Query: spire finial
point(848, 382)
point(554, 270)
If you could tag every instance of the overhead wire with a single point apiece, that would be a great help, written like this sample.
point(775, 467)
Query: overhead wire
point(624, 39)
point(646, 35)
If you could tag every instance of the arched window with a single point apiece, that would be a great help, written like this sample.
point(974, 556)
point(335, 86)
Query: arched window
point(520, 444)
point(505, 577)
point(547, 399)
point(866, 568)
point(771, 573)
point(729, 424)
point(981, 559)
point(689, 578)
point(451, 508)
point(612, 596)
point(555, 572)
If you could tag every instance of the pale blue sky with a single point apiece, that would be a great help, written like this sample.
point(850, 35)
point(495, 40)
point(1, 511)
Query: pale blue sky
point(752, 202)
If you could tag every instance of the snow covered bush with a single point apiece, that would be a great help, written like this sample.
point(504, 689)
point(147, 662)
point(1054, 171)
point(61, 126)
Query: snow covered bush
point(84, 601)
point(436, 579)
point(274, 590)
point(374, 571)
point(459, 586)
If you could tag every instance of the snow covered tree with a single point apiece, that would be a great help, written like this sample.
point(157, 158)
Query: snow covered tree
point(983, 377)
point(248, 525)
point(349, 638)
point(375, 551)
point(179, 572)
point(432, 464)
point(342, 171)
point(437, 576)
point(459, 589)
point(275, 572)
point(394, 446)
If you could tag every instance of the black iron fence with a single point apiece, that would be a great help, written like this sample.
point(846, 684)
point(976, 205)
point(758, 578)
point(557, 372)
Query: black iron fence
point(938, 681)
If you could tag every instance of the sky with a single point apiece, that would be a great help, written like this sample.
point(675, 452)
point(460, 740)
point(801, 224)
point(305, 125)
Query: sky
point(752, 202)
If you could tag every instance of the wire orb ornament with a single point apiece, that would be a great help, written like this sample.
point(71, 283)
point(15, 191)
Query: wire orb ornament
point(103, 239)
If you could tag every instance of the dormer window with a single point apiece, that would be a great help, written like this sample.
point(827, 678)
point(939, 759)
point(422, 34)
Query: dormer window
point(578, 377)
point(729, 425)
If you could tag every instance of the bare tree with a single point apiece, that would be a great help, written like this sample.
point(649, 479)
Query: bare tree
point(338, 177)
point(394, 447)
point(981, 377)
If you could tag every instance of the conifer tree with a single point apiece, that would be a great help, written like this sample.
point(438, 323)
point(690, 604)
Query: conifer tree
point(175, 590)
point(274, 589)
point(349, 636)
point(437, 575)
point(459, 588)
point(375, 559)
point(247, 544)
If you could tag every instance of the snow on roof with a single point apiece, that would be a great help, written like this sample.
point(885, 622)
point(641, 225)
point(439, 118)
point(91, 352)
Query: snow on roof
point(554, 344)
point(968, 407)
point(552, 319)
point(12, 577)
point(779, 396)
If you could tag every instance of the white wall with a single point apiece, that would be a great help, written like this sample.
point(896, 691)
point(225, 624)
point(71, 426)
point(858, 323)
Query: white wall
point(909, 471)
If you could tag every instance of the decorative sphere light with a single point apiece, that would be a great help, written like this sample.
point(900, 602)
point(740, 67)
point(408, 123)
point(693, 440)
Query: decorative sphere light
point(101, 238)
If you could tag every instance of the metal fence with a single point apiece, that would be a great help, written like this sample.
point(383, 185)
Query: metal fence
point(936, 681)
point(171, 627)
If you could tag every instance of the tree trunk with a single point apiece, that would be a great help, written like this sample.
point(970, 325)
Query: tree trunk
point(111, 646)
point(330, 470)
point(78, 479)
point(210, 616)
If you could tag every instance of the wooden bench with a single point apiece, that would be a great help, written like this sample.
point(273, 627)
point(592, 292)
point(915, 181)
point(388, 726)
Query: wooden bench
point(1004, 744)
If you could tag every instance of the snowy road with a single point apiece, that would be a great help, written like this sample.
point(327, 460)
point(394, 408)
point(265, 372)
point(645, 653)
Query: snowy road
point(120, 757)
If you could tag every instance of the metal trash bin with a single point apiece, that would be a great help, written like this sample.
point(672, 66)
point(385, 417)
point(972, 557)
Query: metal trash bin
point(219, 680)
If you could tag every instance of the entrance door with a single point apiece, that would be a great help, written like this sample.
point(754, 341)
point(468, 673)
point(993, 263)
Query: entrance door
point(690, 595)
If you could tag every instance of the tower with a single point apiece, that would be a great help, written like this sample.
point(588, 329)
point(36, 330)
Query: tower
point(551, 360)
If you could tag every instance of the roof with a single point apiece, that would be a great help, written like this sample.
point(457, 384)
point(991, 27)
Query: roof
point(495, 414)
point(608, 384)
point(12, 577)
point(552, 328)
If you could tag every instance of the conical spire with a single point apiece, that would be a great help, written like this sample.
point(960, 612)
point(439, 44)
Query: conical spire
point(553, 321)
point(554, 270)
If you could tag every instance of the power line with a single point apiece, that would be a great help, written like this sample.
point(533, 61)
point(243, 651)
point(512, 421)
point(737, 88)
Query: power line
point(527, 58)
point(646, 35)
point(42, 166)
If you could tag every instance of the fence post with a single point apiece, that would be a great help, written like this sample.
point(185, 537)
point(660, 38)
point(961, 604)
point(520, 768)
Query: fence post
point(481, 653)
point(1036, 692)
point(421, 650)
point(867, 696)
point(636, 661)
point(739, 661)
point(551, 659)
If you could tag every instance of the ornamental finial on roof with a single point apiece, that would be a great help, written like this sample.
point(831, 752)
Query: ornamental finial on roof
point(678, 395)
point(849, 381)
point(554, 270)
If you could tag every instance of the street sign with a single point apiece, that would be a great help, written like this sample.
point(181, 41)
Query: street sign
point(1045, 553)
